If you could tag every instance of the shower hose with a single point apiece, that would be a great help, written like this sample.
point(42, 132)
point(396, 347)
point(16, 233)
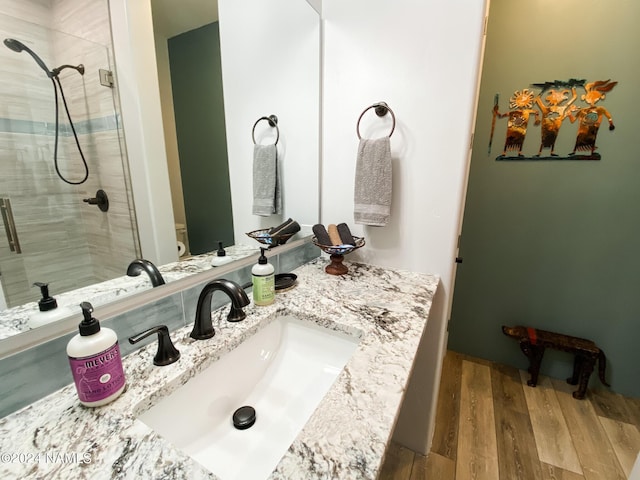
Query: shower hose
point(56, 80)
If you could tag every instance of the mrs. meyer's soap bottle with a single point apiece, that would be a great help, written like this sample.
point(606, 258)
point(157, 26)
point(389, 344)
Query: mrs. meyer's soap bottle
point(94, 356)
point(264, 292)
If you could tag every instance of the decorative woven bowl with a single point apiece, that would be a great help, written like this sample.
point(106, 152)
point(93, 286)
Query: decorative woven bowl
point(263, 236)
point(337, 253)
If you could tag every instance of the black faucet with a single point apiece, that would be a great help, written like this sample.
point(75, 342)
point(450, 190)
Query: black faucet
point(203, 327)
point(167, 353)
point(139, 265)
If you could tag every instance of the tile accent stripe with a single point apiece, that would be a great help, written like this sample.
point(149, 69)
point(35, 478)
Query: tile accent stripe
point(92, 125)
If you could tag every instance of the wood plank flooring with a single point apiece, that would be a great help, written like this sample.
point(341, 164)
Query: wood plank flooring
point(476, 425)
point(491, 426)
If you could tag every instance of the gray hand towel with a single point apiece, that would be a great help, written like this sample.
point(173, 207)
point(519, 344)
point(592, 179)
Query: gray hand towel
point(373, 182)
point(266, 185)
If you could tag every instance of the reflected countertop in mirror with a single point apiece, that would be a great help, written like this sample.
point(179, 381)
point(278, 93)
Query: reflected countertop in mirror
point(15, 320)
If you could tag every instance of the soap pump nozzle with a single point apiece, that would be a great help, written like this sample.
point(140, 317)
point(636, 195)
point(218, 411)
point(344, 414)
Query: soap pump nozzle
point(89, 324)
point(221, 252)
point(46, 302)
point(262, 259)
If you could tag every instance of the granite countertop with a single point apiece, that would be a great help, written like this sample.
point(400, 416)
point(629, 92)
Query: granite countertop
point(346, 437)
point(16, 320)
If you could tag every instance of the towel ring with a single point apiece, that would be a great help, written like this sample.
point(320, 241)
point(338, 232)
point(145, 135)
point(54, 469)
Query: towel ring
point(381, 110)
point(273, 121)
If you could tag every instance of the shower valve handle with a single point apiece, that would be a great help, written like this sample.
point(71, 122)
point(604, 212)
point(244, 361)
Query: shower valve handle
point(101, 200)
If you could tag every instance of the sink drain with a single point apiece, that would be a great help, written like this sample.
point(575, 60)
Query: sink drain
point(244, 417)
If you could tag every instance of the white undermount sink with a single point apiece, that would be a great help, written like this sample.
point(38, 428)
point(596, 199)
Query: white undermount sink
point(283, 372)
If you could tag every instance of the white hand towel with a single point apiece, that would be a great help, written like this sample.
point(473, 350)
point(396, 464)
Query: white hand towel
point(266, 186)
point(373, 182)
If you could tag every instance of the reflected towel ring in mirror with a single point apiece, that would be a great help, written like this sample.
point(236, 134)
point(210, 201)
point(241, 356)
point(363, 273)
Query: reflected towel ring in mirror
point(381, 110)
point(273, 121)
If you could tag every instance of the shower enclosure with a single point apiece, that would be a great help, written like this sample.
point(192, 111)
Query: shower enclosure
point(49, 233)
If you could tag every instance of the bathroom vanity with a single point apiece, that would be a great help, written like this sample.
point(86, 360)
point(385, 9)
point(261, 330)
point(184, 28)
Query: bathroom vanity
point(345, 437)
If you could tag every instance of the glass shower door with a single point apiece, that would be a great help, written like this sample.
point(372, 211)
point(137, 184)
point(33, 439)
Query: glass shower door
point(63, 240)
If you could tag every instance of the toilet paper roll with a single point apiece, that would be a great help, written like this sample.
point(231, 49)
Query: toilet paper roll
point(181, 249)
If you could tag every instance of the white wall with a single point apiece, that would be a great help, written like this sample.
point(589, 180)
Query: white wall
point(137, 79)
point(271, 65)
point(169, 126)
point(635, 473)
point(422, 58)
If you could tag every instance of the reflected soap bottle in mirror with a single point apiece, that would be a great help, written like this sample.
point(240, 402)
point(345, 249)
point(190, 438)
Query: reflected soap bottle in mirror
point(48, 310)
point(221, 257)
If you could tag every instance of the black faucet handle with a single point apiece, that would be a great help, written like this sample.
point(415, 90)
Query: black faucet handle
point(167, 353)
point(239, 301)
point(236, 314)
point(101, 200)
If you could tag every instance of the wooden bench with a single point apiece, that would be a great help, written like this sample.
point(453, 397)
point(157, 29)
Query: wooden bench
point(534, 342)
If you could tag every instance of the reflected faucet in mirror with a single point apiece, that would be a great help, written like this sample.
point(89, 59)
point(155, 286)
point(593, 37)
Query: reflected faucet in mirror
point(203, 327)
point(141, 265)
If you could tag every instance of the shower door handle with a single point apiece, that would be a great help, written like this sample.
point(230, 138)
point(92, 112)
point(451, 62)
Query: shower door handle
point(9, 225)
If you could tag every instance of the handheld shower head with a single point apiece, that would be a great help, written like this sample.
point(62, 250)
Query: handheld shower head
point(18, 47)
point(14, 45)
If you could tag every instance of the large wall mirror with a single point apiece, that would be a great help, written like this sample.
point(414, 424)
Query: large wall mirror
point(269, 61)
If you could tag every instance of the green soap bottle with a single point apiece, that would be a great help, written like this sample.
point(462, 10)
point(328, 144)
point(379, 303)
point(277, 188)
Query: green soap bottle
point(264, 291)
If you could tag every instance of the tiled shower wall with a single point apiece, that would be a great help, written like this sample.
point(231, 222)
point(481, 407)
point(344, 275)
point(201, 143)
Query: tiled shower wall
point(65, 242)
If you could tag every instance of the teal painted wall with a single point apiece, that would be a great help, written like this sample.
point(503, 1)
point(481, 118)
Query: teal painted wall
point(196, 79)
point(553, 244)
